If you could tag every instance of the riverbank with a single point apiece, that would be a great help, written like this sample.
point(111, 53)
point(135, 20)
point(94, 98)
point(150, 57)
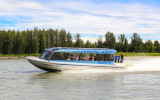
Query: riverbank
point(7, 57)
point(132, 54)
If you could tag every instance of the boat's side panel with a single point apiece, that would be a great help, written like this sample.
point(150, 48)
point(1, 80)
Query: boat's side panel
point(79, 64)
point(84, 62)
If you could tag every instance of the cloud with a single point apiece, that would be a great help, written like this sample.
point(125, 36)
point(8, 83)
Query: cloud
point(83, 17)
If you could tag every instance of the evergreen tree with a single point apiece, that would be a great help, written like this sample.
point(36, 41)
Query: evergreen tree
point(35, 46)
point(47, 36)
point(117, 47)
point(125, 47)
point(42, 41)
point(53, 37)
point(157, 46)
point(62, 38)
point(20, 43)
point(145, 47)
point(11, 39)
point(24, 40)
point(1, 41)
point(100, 42)
point(150, 46)
point(93, 45)
point(136, 43)
point(69, 40)
point(110, 40)
point(57, 38)
point(29, 42)
point(79, 42)
point(88, 44)
point(8, 38)
point(121, 39)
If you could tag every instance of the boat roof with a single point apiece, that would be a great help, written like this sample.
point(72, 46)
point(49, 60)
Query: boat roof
point(83, 50)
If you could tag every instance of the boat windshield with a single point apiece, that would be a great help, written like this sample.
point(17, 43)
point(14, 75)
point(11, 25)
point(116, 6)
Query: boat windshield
point(46, 54)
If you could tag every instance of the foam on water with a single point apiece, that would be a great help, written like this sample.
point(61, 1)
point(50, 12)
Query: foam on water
point(149, 64)
point(139, 64)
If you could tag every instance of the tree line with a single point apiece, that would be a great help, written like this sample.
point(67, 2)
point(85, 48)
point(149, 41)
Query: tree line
point(36, 40)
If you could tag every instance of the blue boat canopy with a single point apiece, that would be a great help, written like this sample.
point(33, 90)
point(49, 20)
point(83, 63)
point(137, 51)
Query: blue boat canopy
point(83, 50)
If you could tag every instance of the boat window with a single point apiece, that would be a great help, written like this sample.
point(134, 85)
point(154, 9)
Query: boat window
point(56, 56)
point(46, 54)
point(60, 56)
point(91, 57)
point(75, 56)
point(66, 56)
point(43, 53)
point(104, 57)
point(112, 57)
point(108, 57)
point(82, 56)
point(99, 57)
point(86, 57)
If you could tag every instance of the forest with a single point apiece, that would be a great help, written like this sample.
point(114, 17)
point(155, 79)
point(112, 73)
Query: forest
point(36, 40)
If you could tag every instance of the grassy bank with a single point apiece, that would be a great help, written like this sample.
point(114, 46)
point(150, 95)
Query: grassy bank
point(137, 54)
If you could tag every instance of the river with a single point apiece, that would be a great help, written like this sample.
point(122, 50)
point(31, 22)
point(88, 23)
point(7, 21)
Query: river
point(19, 80)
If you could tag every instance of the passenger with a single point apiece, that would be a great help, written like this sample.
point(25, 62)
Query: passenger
point(80, 58)
point(68, 58)
point(95, 58)
point(86, 59)
point(112, 57)
point(122, 58)
point(71, 57)
point(105, 59)
point(90, 59)
point(115, 58)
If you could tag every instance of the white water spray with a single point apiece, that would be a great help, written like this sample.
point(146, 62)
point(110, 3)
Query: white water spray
point(145, 64)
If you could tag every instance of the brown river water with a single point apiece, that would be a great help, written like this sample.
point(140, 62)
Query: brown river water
point(140, 80)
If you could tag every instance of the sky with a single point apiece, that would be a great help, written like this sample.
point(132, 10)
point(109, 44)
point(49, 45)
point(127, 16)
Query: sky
point(90, 18)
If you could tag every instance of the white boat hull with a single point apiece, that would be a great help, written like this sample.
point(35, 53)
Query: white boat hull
point(53, 66)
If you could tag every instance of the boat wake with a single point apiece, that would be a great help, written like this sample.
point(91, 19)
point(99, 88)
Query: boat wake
point(132, 64)
point(147, 64)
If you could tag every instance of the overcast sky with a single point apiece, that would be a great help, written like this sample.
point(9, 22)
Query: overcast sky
point(90, 18)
